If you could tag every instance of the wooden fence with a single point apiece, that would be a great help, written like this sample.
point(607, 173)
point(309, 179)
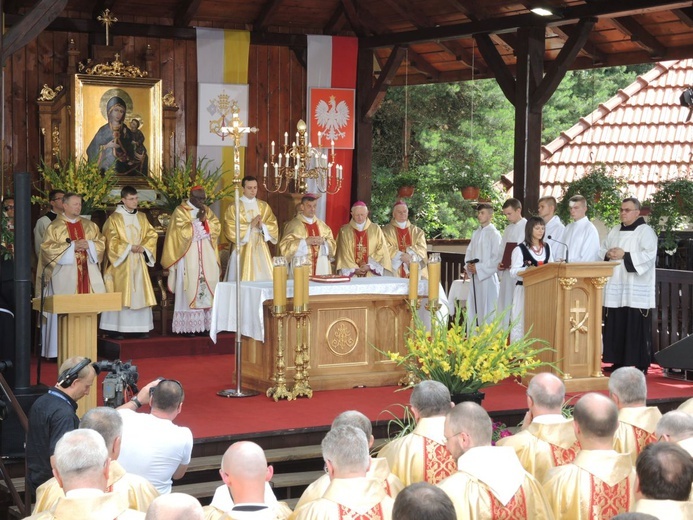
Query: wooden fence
point(673, 316)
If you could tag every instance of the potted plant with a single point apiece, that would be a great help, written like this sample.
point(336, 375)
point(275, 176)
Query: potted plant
point(467, 363)
point(406, 181)
point(469, 179)
point(604, 192)
point(84, 177)
point(672, 206)
point(175, 183)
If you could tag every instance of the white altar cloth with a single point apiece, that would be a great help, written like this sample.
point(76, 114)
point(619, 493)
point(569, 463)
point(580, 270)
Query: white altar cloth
point(254, 294)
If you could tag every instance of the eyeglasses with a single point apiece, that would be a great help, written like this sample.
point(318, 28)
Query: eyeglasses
point(8, 208)
point(452, 436)
point(626, 210)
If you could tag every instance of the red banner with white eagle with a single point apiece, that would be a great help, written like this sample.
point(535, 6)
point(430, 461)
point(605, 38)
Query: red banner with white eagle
point(332, 117)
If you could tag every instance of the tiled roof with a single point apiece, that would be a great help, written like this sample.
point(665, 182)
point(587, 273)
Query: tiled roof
point(641, 134)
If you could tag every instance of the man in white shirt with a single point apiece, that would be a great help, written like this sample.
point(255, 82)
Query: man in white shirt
point(514, 234)
point(554, 227)
point(581, 237)
point(152, 446)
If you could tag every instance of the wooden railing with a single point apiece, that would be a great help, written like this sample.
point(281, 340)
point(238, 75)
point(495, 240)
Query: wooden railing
point(451, 268)
point(673, 316)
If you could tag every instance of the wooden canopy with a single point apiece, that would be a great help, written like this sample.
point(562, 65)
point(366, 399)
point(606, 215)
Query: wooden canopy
point(419, 41)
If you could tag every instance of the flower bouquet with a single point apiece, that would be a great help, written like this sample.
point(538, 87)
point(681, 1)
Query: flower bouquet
point(466, 363)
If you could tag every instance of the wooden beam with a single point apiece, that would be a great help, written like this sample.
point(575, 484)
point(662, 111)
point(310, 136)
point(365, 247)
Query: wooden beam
point(387, 73)
point(185, 13)
point(562, 63)
point(266, 13)
point(418, 62)
point(589, 49)
point(334, 21)
point(30, 26)
point(640, 36)
point(685, 15)
point(510, 24)
point(363, 152)
point(357, 24)
point(495, 63)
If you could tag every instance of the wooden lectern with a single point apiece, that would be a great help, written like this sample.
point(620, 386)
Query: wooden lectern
point(563, 305)
point(77, 327)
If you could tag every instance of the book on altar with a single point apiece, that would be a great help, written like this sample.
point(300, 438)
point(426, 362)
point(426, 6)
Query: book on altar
point(508, 254)
point(329, 278)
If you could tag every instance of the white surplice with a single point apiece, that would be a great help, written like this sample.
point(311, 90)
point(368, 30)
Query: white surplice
point(483, 293)
point(513, 233)
point(582, 239)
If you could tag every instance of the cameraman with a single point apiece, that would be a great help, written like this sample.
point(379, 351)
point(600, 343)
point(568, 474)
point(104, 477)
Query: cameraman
point(53, 414)
point(152, 446)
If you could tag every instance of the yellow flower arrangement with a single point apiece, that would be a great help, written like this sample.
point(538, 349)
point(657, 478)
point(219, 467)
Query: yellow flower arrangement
point(84, 177)
point(466, 363)
point(175, 183)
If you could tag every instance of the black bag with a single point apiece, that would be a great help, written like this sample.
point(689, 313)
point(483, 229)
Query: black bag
point(686, 100)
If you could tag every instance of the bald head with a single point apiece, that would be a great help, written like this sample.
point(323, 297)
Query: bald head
point(675, 426)
point(245, 460)
point(175, 506)
point(546, 393)
point(596, 416)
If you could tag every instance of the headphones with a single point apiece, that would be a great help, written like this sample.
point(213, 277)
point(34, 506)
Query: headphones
point(69, 376)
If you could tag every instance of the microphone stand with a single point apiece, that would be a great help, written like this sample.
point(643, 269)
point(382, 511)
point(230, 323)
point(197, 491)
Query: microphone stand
point(563, 244)
point(43, 301)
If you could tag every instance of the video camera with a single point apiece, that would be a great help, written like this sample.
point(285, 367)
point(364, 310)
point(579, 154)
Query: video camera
point(120, 382)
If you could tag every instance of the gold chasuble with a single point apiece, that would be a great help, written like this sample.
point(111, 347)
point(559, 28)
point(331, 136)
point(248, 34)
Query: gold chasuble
point(421, 456)
point(379, 470)
point(276, 511)
point(357, 247)
point(544, 446)
point(256, 261)
point(360, 498)
point(107, 506)
point(293, 243)
point(82, 275)
point(191, 257)
point(636, 429)
point(597, 485)
point(409, 239)
point(138, 491)
point(492, 485)
point(127, 272)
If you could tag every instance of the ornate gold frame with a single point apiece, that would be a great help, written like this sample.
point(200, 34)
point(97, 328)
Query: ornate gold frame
point(146, 97)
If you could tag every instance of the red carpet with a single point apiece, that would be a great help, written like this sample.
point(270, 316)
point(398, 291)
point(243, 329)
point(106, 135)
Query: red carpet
point(209, 415)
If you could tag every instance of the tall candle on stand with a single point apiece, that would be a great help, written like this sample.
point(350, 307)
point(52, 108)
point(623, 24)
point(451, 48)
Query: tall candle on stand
point(306, 286)
point(279, 276)
point(433, 277)
point(413, 282)
point(299, 282)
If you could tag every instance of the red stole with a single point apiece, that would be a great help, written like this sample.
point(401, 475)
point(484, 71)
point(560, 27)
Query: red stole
point(76, 232)
point(403, 242)
point(313, 231)
point(360, 247)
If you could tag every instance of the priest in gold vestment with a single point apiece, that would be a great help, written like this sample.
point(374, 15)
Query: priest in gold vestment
point(548, 438)
point(361, 246)
point(378, 470)
point(351, 494)
point(71, 253)
point(191, 257)
point(258, 225)
point(637, 421)
point(676, 426)
point(108, 423)
point(307, 235)
point(82, 468)
point(130, 249)
point(404, 241)
point(490, 483)
point(421, 456)
point(599, 483)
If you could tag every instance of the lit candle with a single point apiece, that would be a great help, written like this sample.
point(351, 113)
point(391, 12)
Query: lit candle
point(287, 160)
point(299, 282)
point(276, 170)
point(286, 138)
point(279, 281)
point(310, 145)
point(319, 138)
point(433, 277)
point(297, 139)
point(296, 172)
point(306, 284)
point(413, 282)
point(265, 171)
point(272, 148)
point(332, 145)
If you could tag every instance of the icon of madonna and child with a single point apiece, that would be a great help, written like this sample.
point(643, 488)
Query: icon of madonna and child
point(120, 142)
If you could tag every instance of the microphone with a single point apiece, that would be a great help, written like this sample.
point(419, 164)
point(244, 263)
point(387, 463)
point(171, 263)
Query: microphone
point(475, 261)
point(563, 244)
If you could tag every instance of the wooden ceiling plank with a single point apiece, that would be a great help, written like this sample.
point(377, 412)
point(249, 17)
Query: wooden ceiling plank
point(495, 63)
point(639, 35)
point(187, 10)
point(387, 74)
point(589, 49)
point(266, 13)
point(561, 64)
point(418, 62)
point(460, 53)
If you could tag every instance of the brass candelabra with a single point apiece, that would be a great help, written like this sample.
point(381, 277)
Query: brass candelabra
point(280, 390)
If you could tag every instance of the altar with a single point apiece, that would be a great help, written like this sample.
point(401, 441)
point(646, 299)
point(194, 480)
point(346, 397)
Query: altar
point(348, 322)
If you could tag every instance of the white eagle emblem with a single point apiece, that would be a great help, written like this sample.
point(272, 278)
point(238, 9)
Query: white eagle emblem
point(331, 118)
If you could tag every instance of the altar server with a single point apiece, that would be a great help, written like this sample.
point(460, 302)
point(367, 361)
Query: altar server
point(405, 240)
point(131, 248)
point(258, 225)
point(514, 234)
point(361, 246)
point(481, 266)
point(546, 209)
point(307, 235)
point(191, 257)
point(581, 237)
